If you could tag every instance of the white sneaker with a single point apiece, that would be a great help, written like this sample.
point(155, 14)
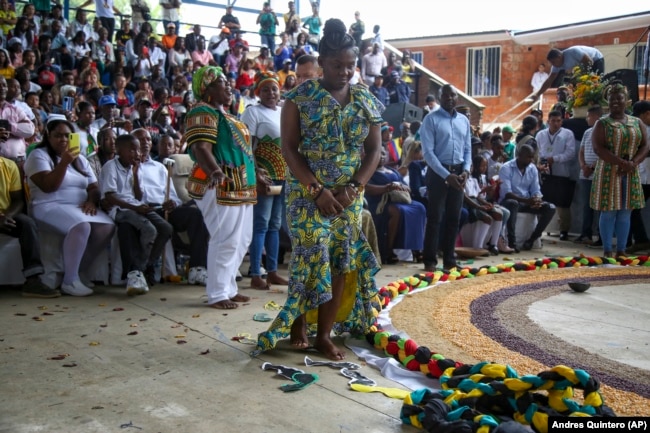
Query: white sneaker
point(136, 284)
point(86, 282)
point(197, 275)
point(77, 288)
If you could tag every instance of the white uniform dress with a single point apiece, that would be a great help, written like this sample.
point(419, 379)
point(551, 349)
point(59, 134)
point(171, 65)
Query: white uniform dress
point(60, 210)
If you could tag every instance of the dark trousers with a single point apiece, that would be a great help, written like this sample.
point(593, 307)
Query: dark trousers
point(637, 228)
point(584, 188)
point(30, 248)
point(189, 219)
point(443, 216)
point(142, 239)
point(108, 24)
point(544, 213)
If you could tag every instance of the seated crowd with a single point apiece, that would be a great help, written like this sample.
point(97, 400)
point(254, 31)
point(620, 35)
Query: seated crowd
point(87, 126)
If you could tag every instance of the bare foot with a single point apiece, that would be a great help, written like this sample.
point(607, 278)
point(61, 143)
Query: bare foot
point(275, 278)
point(259, 283)
point(299, 338)
point(325, 346)
point(226, 304)
point(240, 298)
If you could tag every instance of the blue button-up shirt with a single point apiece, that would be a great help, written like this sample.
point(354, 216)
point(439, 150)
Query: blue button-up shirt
point(446, 139)
point(523, 185)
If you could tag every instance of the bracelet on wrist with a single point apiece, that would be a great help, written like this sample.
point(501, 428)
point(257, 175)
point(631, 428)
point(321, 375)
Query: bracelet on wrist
point(319, 194)
point(356, 185)
point(314, 190)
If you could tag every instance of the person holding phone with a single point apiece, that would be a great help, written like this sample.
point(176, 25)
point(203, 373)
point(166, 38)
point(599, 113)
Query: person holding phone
point(65, 199)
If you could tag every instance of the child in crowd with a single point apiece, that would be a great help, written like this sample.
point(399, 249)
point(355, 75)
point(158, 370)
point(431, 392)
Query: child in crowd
point(142, 232)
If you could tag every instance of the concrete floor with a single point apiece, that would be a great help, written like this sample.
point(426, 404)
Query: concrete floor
point(109, 380)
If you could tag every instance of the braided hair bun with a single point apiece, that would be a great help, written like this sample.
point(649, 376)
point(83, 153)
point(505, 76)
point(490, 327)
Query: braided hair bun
point(335, 38)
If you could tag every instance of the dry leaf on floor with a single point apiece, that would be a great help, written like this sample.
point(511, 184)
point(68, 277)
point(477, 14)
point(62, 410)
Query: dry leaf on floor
point(59, 357)
point(118, 309)
point(70, 365)
point(205, 352)
point(38, 318)
point(181, 342)
point(133, 333)
point(94, 343)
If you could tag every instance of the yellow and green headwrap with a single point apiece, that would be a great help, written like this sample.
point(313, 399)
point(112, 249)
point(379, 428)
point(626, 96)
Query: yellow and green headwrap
point(264, 77)
point(203, 77)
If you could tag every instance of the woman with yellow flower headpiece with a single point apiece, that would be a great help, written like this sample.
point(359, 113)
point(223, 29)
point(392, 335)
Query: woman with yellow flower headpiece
point(263, 121)
point(222, 182)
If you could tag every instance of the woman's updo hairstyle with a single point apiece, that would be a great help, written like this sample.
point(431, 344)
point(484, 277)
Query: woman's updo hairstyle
point(335, 39)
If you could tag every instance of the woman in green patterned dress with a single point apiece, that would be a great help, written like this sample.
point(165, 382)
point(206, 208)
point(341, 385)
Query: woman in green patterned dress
point(222, 182)
point(331, 142)
point(621, 144)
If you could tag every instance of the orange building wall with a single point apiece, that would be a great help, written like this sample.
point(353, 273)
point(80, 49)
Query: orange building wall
point(519, 62)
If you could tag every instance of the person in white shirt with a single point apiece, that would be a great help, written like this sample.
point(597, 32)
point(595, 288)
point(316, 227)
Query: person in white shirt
point(105, 11)
point(108, 107)
point(557, 153)
point(13, 94)
point(537, 81)
point(139, 9)
point(171, 13)
point(182, 217)
point(81, 23)
point(65, 199)
point(539, 77)
point(122, 188)
point(218, 45)
point(372, 64)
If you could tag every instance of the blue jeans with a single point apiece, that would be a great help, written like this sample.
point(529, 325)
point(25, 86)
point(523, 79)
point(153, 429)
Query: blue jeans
point(176, 23)
point(614, 222)
point(267, 220)
point(269, 41)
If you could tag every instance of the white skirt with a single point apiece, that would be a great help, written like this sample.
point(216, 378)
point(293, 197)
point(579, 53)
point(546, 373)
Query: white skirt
point(62, 217)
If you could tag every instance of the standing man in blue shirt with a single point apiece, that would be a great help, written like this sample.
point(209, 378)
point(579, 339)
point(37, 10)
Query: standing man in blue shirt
point(446, 142)
point(520, 192)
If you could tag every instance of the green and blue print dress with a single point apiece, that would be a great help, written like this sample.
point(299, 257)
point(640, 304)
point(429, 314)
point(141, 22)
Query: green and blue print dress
point(332, 143)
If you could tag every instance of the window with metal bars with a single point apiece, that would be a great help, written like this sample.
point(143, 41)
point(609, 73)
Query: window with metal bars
point(483, 71)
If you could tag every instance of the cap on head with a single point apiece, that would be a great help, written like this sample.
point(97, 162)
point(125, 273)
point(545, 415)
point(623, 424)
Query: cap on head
point(107, 100)
point(509, 129)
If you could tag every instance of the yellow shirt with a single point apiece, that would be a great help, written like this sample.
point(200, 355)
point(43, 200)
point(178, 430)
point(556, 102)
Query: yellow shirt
point(9, 15)
point(9, 72)
point(9, 182)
